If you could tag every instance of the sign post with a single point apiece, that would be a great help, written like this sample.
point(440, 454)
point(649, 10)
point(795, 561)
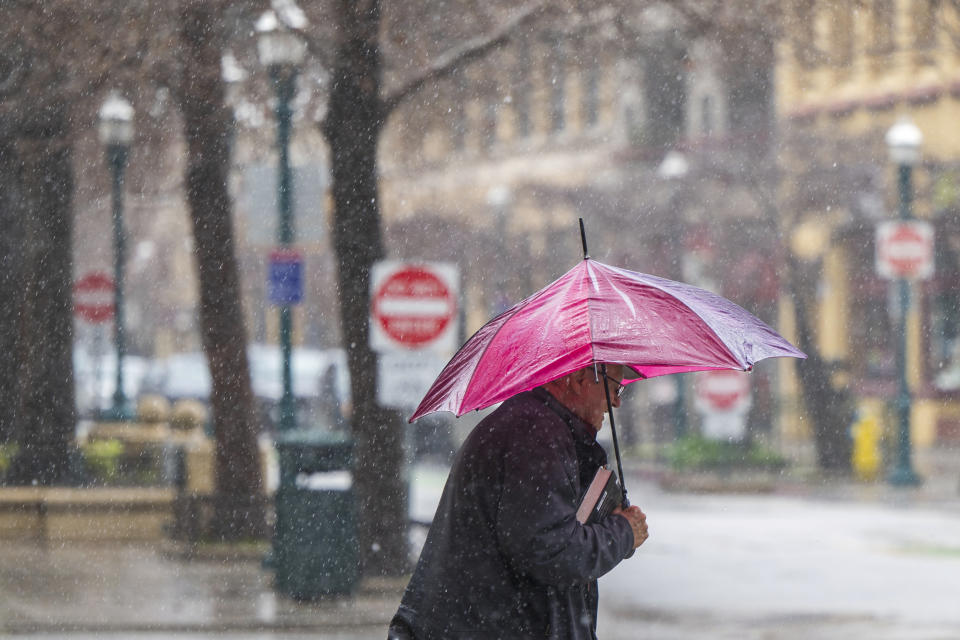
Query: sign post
point(413, 326)
point(94, 297)
point(904, 253)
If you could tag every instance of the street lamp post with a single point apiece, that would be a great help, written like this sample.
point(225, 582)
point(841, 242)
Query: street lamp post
point(903, 141)
point(500, 199)
point(116, 133)
point(281, 52)
point(673, 168)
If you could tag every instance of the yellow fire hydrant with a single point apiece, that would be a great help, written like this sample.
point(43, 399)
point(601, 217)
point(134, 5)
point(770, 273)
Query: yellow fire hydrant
point(866, 448)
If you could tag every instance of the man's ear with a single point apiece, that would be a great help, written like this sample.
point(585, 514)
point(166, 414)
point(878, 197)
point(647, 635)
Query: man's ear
point(578, 379)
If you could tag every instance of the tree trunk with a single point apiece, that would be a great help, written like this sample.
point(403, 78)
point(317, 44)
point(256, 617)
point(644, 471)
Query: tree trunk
point(831, 410)
point(208, 124)
point(11, 283)
point(352, 128)
point(47, 414)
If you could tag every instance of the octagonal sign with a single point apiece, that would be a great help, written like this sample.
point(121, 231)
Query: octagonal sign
point(413, 306)
point(905, 250)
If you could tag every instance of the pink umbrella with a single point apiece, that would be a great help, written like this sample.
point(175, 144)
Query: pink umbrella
point(595, 314)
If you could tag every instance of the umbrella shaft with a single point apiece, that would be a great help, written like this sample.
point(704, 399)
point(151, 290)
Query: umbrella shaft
point(613, 430)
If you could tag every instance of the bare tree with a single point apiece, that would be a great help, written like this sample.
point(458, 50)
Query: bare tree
point(383, 54)
point(37, 100)
point(359, 106)
point(11, 275)
point(830, 409)
point(44, 87)
point(201, 32)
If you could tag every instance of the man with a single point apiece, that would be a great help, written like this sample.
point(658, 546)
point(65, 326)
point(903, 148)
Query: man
point(505, 557)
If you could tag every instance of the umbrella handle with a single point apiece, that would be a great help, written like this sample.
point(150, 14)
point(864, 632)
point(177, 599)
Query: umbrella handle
point(613, 427)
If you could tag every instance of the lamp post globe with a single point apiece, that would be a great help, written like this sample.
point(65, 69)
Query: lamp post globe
point(674, 166)
point(281, 51)
point(903, 140)
point(903, 143)
point(116, 134)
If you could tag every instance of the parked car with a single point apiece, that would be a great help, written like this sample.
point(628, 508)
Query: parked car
point(321, 382)
point(95, 379)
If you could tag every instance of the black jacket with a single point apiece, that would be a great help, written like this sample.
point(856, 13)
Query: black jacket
point(505, 556)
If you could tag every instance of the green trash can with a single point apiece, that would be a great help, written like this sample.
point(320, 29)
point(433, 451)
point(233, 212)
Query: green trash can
point(314, 542)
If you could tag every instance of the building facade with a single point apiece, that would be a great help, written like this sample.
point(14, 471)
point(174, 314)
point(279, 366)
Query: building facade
point(492, 168)
point(846, 72)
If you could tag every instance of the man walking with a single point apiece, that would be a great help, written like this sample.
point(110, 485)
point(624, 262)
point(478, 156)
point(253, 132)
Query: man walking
point(505, 557)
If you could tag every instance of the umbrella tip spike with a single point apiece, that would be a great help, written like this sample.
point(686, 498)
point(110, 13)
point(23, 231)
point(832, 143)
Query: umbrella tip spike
point(583, 239)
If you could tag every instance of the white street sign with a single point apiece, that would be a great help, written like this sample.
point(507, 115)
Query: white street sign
point(405, 376)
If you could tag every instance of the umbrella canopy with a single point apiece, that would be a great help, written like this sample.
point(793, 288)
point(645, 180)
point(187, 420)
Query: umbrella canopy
point(596, 313)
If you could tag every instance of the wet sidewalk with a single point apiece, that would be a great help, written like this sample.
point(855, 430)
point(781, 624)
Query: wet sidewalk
point(132, 588)
point(160, 591)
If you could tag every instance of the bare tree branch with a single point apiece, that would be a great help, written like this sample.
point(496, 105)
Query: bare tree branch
point(472, 49)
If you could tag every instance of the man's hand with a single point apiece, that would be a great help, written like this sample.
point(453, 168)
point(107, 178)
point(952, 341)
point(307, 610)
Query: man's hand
point(638, 522)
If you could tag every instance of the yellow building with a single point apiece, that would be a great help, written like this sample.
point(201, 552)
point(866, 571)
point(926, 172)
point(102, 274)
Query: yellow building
point(846, 72)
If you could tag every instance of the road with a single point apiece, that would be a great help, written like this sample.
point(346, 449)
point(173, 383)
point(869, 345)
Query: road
point(727, 566)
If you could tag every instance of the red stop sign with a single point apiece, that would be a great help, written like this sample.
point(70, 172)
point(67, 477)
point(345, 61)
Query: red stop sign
point(724, 390)
point(93, 297)
point(413, 306)
point(905, 250)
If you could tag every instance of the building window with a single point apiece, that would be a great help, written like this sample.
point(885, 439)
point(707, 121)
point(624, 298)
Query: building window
point(557, 80)
point(881, 19)
point(944, 353)
point(944, 307)
point(488, 129)
point(458, 113)
point(925, 22)
point(841, 33)
point(804, 33)
point(591, 94)
point(706, 116)
point(521, 90)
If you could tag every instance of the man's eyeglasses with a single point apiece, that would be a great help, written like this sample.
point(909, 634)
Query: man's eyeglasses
point(616, 386)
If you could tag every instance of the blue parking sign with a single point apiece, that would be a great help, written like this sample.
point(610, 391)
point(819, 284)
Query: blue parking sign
point(285, 280)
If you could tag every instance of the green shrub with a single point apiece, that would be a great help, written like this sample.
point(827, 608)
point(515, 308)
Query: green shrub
point(696, 453)
point(8, 451)
point(102, 459)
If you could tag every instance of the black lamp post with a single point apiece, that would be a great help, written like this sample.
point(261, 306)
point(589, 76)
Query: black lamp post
point(673, 168)
point(281, 52)
point(903, 141)
point(116, 133)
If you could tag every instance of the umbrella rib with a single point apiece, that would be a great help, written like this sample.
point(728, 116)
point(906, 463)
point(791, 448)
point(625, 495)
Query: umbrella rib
point(515, 309)
point(673, 296)
point(513, 312)
point(593, 347)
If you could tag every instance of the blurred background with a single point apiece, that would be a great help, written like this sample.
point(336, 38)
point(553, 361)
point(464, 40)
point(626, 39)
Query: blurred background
point(193, 197)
